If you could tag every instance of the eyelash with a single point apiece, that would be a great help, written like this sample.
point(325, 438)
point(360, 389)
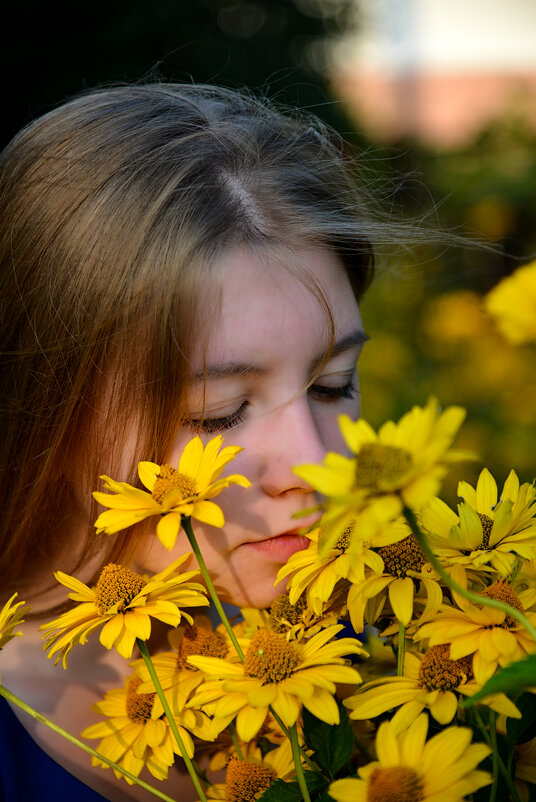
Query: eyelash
point(324, 394)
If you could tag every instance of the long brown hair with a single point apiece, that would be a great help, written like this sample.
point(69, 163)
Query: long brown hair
point(114, 207)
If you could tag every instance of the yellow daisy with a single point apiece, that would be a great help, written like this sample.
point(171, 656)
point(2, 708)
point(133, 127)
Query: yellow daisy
point(411, 769)
point(173, 492)
point(297, 621)
point(403, 463)
point(124, 603)
point(490, 529)
point(10, 617)
point(491, 636)
point(512, 303)
point(316, 573)
point(432, 681)
point(177, 677)
point(405, 568)
point(247, 778)
point(277, 673)
point(133, 736)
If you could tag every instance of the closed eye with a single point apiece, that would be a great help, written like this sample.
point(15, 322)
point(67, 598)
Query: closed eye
point(211, 425)
point(327, 394)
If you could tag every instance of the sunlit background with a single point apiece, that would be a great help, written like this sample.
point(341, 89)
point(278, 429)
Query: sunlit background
point(438, 95)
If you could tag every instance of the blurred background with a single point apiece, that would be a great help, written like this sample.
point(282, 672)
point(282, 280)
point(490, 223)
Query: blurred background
point(438, 97)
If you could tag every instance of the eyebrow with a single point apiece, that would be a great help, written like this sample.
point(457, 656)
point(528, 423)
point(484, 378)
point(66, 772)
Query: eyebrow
point(233, 369)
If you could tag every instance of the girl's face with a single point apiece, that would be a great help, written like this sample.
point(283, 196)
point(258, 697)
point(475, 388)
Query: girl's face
point(252, 384)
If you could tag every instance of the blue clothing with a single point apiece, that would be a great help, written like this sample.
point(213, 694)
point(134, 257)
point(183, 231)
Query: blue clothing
point(28, 774)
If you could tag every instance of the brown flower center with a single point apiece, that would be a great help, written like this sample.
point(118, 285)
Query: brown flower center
point(345, 538)
point(284, 615)
point(487, 526)
point(270, 658)
point(139, 705)
point(439, 673)
point(394, 784)
point(170, 479)
point(117, 584)
point(376, 462)
point(399, 558)
point(502, 591)
point(198, 640)
point(245, 781)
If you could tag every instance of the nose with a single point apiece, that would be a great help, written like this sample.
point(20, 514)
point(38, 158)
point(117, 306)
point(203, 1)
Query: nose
point(292, 438)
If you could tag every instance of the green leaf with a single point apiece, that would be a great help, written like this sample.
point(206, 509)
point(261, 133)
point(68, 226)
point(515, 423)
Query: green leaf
point(281, 791)
point(332, 744)
point(510, 680)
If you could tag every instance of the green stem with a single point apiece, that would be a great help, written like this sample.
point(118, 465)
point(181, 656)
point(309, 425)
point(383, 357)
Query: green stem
point(236, 742)
point(296, 754)
point(401, 649)
point(493, 745)
point(169, 715)
point(476, 598)
point(286, 732)
point(67, 735)
point(187, 526)
point(495, 756)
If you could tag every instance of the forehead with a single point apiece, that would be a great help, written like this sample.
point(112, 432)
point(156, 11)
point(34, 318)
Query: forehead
point(279, 303)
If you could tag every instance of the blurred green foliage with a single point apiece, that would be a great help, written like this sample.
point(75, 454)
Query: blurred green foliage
point(429, 332)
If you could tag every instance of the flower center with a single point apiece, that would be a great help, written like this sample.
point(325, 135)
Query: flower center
point(139, 705)
point(346, 537)
point(198, 640)
point(377, 463)
point(487, 525)
point(401, 557)
point(117, 584)
point(439, 673)
point(502, 591)
point(396, 784)
point(270, 658)
point(170, 479)
point(284, 615)
point(245, 781)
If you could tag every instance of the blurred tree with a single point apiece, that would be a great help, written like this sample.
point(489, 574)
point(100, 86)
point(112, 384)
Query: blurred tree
point(54, 49)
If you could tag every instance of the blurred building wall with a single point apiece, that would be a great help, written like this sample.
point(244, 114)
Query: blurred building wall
point(439, 70)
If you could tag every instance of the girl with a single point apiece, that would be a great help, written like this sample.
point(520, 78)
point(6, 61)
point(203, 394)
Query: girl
point(174, 260)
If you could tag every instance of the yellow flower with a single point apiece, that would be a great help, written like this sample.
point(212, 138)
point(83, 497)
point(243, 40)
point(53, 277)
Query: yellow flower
point(405, 564)
point(173, 492)
point(178, 678)
point(402, 464)
point(124, 602)
point(134, 737)
point(317, 572)
point(297, 621)
point(10, 617)
point(489, 529)
point(431, 681)
point(277, 673)
point(246, 779)
point(512, 303)
point(411, 769)
point(491, 636)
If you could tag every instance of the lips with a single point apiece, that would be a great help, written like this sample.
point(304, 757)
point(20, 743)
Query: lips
point(280, 547)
